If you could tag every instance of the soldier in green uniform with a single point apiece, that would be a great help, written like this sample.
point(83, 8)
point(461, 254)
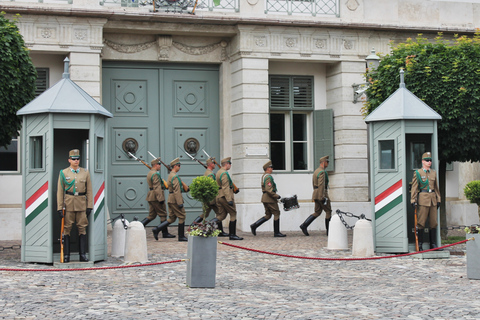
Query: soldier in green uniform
point(226, 199)
point(212, 205)
point(270, 202)
point(75, 191)
point(320, 196)
point(156, 197)
point(175, 202)
point(426, 196)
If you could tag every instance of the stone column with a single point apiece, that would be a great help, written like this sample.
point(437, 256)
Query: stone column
point(249, 115)
point(349, 183)
point(85, 70)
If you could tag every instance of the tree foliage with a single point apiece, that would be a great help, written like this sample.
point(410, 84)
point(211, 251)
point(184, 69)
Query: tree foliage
point(446, 76)
point(17, 80)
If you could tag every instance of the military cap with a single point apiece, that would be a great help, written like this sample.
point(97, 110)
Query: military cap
point(427, 156)
point(229, 159)
point(210, 160)
point(175, 162)
point(155, 161)
point(74, 154)
point(267, 165)
point(322, 159)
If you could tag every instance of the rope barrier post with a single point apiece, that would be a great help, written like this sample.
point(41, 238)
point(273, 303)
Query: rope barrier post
point(473, 256)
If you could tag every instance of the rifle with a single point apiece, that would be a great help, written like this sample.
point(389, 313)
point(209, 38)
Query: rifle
point(62, 232)
point(195, 159)
point(184, 185)
point(148, 166)
point(235, 188)
point(139, 160)
point(416, 230)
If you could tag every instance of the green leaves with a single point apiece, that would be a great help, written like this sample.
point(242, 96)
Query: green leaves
point(204, 189)
point(445, 75)
point(17, 83)
point(472, 191)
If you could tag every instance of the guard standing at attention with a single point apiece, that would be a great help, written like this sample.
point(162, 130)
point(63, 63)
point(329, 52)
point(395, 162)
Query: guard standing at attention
point(212, 205)
point(75, 192)
point(426, 196)
point(320, 196)
point(226, 199)
point(156, 197)
point(270, 202)
point(175, 202)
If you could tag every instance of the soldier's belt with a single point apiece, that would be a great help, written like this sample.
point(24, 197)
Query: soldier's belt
point(150, 188)
point(429, 191)
point(315, 187)
point(76, 193)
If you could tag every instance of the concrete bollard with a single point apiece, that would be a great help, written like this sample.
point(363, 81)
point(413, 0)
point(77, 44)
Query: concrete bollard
point(136, 243)
point(118, 239)
point(363, 239)
point(337, 234)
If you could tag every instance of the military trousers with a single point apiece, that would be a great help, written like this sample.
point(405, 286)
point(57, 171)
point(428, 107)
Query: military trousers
point(77, 217)
point(224, 208)
point(175, 212)
point(425, 213)
point(157, 209)
point(320, 207)
point(211, 206)
point(271, 208)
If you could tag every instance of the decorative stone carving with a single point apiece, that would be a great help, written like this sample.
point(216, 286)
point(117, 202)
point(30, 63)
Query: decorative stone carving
point(46, 32)
point(291, 42)
point(348, 44)
point(261, 41)
point(125, 48)
point(321, 43)
point(80, 34)
point(352, 5)
point(164, 45)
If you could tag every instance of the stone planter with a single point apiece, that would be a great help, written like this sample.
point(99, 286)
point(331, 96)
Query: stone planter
point(473, 256)
point(202, 262)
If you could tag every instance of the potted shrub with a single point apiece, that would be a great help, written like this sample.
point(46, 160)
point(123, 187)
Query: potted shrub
point(202, 238)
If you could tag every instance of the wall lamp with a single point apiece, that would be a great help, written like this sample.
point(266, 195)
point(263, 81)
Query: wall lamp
point(373, 61)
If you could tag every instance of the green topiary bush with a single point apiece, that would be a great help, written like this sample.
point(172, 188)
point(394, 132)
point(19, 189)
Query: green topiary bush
point(204, 189)
point(472, 191)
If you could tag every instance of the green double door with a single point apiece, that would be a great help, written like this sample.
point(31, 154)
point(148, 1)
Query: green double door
point(162, 109)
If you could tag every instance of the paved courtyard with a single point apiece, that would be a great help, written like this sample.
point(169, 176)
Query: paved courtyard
point(249, 285)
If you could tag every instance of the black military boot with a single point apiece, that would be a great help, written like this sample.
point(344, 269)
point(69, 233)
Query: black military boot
point(433, 238)
point(66, 248)
point(167, 235)
point(257, 224)
point(306, 223)
point(232, 228)
point(276, 229)
point(197, 220)
point(146, 221)
point(159, 228)
point(181, 232)
point(420, 239)
point(327, 224)
point(82, 239)
point(220, 227)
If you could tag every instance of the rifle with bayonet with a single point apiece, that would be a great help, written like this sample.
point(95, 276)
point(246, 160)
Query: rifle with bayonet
point(147, 165)
point(235, 188)
point(184, 185)
point(62, 231)
point(195, 159)
point(139, 160)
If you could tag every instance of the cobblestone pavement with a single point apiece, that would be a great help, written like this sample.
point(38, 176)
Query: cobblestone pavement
point(249, 285)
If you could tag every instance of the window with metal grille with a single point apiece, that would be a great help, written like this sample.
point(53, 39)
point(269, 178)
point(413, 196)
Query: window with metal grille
point(291, 107)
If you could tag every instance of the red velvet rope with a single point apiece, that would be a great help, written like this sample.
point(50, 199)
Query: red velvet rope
point(96, 268)
point(344, 259)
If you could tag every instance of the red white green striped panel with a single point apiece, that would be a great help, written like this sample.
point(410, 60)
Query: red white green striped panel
point(388, 199)
point(99, 201)
point(36, 203)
